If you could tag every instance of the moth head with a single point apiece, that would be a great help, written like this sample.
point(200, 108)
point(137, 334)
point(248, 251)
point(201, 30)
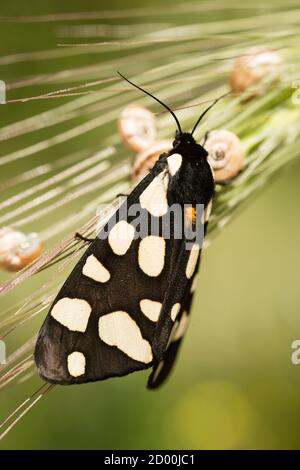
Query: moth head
point(185, 145)
point(183, 138)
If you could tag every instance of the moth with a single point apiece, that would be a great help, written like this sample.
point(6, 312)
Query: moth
point(125, 306)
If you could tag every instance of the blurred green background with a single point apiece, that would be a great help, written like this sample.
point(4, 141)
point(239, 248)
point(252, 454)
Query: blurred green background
point(234, 385)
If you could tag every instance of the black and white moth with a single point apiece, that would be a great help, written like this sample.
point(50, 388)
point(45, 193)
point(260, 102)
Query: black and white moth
point(125, 306)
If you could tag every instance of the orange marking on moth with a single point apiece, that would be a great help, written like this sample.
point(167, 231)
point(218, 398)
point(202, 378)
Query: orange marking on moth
point(190, 214)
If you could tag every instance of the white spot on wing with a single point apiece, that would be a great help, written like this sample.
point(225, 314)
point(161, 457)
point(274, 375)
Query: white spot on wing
point(95, 270)
point(120, 330)
point(193, 258)
point(151, 309)
point(206, 212)
point(76, 364)
point(152, 255)
point(174, 163)
point(175, 310)
point(120, 237)
point(181, 328)
point(194, 284)
point(72, 313)
point(154, 197)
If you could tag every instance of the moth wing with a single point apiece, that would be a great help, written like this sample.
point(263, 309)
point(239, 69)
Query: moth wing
point(169, 345)
point(103, 322)
point(163, 367)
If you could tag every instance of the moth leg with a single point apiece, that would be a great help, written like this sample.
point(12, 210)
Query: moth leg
point(122, 195)
point(85, 239)
point(205, 137)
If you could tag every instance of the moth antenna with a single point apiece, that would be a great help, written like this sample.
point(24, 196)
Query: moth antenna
point(154, 97)
point(207, 109)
